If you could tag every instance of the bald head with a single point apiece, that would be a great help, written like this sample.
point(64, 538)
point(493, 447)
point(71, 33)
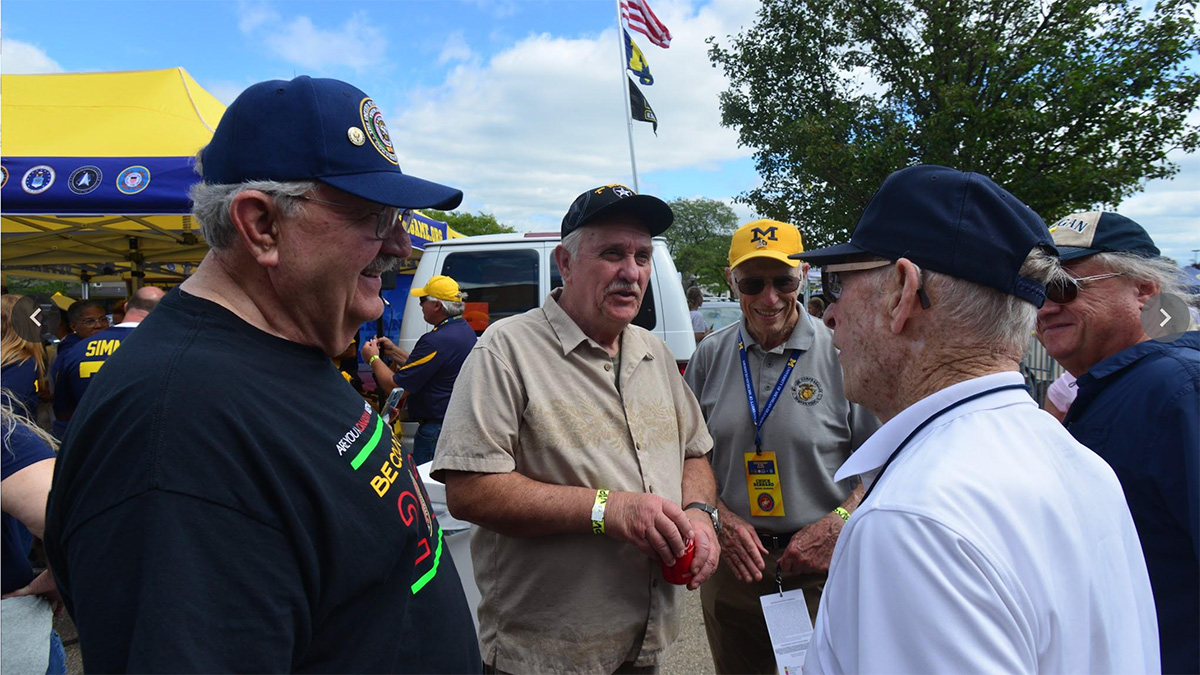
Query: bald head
point(142, 302)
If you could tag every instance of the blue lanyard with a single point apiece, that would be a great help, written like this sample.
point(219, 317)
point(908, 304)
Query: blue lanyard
point(787, 371)
point(927, 422)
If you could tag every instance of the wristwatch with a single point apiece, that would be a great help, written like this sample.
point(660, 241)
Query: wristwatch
point(710, 510)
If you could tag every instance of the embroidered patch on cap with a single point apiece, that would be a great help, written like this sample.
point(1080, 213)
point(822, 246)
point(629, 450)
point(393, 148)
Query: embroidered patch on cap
point(3, 176)
point(38, 179)
point(377, 130)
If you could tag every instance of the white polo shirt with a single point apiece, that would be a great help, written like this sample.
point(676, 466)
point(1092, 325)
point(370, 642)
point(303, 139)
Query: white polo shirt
point(994, 543)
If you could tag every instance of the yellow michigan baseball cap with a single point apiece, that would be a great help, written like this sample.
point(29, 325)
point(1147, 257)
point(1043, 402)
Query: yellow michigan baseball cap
point(441, 287)
point(765, 239)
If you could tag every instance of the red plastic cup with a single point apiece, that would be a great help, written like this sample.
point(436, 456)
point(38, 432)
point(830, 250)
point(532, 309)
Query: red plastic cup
point(681, 572)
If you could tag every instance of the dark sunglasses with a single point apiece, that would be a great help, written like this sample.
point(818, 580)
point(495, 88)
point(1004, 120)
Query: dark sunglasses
point(1063, 291)
point(755, 285)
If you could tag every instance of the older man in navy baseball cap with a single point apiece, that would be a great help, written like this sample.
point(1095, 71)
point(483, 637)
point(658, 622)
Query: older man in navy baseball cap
point(988, 539)
point(224, 501)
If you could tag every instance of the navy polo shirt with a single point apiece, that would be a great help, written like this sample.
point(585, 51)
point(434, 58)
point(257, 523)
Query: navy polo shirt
point(429, 374)
point(1139, 409)
point(22, 448)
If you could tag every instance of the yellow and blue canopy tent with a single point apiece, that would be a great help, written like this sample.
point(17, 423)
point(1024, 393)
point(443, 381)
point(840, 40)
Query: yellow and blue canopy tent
point(95, 175)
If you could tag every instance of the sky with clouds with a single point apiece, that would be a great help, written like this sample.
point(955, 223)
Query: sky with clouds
point(517, 102)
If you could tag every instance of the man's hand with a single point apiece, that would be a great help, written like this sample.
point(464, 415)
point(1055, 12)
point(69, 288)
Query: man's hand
point(811, 549)
point(43, 585)
point(390, 350)
point(707, 551)
point(371, 348)
point(656, 526)
point(743, 550)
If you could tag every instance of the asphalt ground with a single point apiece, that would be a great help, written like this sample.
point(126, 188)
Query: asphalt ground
point(690, 655)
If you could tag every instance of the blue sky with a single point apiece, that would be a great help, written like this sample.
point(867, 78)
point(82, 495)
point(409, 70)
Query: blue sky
point(518, 102)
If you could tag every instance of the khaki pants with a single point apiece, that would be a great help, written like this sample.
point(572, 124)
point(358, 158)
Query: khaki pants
point(733, 618)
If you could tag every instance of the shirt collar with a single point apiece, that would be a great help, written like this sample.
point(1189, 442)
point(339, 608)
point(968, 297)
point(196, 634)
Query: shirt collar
point(1130, 355)
point(801, 338)
point(874, 452)
point(633, 346)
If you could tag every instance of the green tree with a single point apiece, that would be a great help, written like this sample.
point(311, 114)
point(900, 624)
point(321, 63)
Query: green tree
point(699, 239)
point(1069, 104)
point(469, 224)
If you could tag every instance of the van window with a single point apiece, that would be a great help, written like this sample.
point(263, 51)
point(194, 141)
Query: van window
point(647, 318)
point(505, 283)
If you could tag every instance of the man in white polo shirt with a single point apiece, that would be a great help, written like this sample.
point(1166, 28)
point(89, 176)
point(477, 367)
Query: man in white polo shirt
point(988, 540)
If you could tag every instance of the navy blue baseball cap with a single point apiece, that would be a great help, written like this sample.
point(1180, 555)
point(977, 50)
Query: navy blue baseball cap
point(611, 200)
point(955, 222)
point(316, 129)
point(1082, 234)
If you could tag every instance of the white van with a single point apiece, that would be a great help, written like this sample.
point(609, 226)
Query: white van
point(508, 274)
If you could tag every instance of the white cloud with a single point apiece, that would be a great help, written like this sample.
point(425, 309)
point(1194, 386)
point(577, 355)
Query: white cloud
point(358, 43)
point(23, 58)
point(548, 116)
point(455, 49)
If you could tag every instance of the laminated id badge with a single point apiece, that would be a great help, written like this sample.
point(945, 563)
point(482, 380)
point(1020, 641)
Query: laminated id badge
point(762, 484)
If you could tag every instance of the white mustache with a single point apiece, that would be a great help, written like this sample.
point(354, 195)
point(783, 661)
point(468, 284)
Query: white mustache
point(621, 286)
point(384, 263)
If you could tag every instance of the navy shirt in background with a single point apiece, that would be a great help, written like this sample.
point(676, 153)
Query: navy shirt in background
point(76, 369)
point(429, 374)
point(22, 380)
point(1139, 409)
point(22, 448)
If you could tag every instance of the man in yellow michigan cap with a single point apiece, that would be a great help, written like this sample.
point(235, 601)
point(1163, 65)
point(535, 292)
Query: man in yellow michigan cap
point(770, 388)
point(429, 373)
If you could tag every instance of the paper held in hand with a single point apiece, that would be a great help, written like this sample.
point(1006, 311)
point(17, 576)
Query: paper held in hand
point(789, 627)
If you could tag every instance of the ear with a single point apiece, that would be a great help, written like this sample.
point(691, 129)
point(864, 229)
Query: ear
point(729, 277)
point(804, 272)
point(563, 258)
point(256, 219)
point(905, 303)
point(1146, 289)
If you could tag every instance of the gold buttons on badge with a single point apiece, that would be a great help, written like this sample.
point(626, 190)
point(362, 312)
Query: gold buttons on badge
point(356, 135)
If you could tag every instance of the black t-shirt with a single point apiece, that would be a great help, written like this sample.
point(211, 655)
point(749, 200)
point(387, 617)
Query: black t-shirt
point(225, 501)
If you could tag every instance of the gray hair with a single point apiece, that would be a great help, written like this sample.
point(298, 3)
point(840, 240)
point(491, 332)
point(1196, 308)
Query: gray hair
point(452, 308)
point(1158, 270)
point(211, 202)
point(572, 242)
point(988, 317)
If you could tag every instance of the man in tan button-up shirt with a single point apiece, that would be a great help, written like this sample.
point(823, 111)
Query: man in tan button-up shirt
point(574, 444)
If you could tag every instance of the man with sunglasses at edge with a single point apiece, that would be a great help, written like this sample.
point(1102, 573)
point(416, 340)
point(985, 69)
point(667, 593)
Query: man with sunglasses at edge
point(988, 540)
point(429, 372)
point(225, 501)
point(780, 508)
point(1138, 403)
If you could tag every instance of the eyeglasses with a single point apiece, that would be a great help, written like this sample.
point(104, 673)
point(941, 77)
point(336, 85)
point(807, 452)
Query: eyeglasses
point(831, 279)
point(102, 321)
point(386, 218)
point(755, 285)
point(1063, 291)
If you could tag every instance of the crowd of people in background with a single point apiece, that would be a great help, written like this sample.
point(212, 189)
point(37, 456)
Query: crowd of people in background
point(225, 499)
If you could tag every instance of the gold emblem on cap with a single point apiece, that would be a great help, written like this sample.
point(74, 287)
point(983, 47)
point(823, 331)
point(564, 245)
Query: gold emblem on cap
point(356, 135)
point(760, 243)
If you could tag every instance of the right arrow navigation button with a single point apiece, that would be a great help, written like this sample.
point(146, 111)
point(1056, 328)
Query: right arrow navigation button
point(1165, 317)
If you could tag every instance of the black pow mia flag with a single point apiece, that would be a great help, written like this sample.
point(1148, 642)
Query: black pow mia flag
point(639, 107)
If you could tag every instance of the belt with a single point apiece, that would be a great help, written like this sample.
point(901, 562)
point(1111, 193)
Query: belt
point(775, 541)
point(437, 420)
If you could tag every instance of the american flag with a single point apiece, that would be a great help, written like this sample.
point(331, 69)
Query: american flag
point(639, 17)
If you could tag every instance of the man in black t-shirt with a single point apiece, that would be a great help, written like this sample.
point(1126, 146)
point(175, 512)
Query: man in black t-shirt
point(250, 512)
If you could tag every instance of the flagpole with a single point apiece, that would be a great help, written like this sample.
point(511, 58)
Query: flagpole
point(625, 96)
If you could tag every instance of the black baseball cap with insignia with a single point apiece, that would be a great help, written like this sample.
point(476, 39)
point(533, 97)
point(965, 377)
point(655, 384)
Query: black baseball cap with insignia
point(617, 200)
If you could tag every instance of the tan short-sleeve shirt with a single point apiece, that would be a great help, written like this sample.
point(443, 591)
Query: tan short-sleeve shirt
point(538, 397)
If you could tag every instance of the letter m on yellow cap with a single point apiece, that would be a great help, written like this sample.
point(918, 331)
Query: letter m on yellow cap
point(770, 233)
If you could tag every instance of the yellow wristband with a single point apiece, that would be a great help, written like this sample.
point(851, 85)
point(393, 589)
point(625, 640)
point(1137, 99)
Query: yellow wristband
point(842, 513)
point(598, 511)
point(373, 359)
